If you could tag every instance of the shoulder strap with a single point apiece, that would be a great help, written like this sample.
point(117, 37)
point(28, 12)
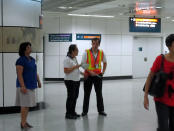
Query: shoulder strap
point(162, 62)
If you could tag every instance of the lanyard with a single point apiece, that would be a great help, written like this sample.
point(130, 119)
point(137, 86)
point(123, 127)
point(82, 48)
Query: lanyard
point(95, 58)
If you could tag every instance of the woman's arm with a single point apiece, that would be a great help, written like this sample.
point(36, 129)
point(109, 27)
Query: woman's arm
point(69, 70)
point(19, 70)
point(147, 85)
point(38, 81)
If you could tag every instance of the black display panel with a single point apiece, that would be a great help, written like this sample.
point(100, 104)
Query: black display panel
point(144, 25)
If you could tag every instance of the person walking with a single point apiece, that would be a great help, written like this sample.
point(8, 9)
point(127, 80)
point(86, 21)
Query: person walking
point(165, 104)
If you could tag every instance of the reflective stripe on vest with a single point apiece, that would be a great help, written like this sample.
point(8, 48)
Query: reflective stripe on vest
point(91, 61)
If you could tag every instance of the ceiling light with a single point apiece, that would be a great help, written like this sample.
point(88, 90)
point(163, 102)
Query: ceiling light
point(173, 20)
point(62, 7)
point(167, 17)
point(158, 7)
point(91, 15)
point(70, 7)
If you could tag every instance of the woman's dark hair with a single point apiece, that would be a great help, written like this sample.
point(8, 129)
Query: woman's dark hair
point(23, 47)
point(72, 48)
point(96, 39)
point(169, 40)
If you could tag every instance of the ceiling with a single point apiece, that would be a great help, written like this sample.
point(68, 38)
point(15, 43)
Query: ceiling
point(117, 8)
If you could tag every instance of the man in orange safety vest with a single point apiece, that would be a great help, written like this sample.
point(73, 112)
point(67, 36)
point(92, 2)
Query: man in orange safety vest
point(93, 75)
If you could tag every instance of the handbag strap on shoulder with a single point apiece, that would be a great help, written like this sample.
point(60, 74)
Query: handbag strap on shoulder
point(162, 62)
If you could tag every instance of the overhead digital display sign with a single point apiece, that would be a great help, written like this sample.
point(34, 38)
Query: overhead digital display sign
point(144, 24)
point(87, 36)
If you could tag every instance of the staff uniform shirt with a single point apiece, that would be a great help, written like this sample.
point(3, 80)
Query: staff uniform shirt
point(29, 72)
point(168, 68)
point(75, 74)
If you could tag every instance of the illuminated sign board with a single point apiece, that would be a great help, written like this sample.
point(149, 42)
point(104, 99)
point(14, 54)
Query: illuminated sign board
point(144, 24)
point(60, 37)
point(87, 36)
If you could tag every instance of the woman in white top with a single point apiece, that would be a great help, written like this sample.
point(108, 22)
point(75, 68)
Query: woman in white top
point(72, 81)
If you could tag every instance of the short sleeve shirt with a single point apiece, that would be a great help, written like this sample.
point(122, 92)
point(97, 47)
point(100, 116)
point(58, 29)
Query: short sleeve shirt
point(75, 74)
point(168, 68)
point(29, 72)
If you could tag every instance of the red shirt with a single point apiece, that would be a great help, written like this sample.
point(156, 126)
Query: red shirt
point(168, 68)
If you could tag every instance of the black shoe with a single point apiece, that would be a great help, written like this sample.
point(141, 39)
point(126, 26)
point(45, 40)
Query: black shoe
point(102, 113)
point(77, 115)
point(29, 126)
point(24, 127)
point(70, 116)
point(84, 114)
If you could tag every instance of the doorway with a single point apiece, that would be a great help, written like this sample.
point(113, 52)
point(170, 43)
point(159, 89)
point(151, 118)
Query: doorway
point(145, 50)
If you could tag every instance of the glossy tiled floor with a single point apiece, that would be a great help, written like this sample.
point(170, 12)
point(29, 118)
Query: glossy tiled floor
point(123, 102)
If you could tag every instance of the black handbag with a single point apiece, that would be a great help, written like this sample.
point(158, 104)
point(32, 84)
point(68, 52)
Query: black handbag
point(158, 82)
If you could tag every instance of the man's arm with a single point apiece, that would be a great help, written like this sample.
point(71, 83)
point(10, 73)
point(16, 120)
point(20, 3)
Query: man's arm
point(104, 67)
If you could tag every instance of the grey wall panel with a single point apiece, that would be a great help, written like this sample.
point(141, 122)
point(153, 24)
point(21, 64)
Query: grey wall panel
point(1, 84)
point(13, 36)
point(21, 13)
point(1, 40)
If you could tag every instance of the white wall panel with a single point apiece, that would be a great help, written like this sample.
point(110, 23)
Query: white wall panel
point(51, 25)
point(40, 91)
point(113, 66)
point(1, 84)
point(113, 45)
point(127, 43)
point(113, 26)
point(65, 25)
point(125, 27)
point(61, 66)
point(103, 43)
point(98, 26)
point(126, 65)
point(21, 13)
point(64, 48)
point(83, 45)
point(51, 48)
point(52, 66)
point(168, 27)
point(81, 25)
point(10, 78)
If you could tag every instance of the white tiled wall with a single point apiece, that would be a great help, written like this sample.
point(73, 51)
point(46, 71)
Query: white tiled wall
point(116, 42)
point(1, 84)
point(118, 48)
point(9, 78)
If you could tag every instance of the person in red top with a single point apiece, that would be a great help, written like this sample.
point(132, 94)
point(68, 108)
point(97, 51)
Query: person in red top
point(165, 104)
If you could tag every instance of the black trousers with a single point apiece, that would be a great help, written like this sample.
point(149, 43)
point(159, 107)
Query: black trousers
point(88, 83)
point(72, 95)
point(165, 116)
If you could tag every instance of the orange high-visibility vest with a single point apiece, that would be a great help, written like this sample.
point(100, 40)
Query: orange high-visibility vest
point(94, 64)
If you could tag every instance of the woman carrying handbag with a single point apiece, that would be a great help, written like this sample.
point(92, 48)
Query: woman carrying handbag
point(165, 104)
